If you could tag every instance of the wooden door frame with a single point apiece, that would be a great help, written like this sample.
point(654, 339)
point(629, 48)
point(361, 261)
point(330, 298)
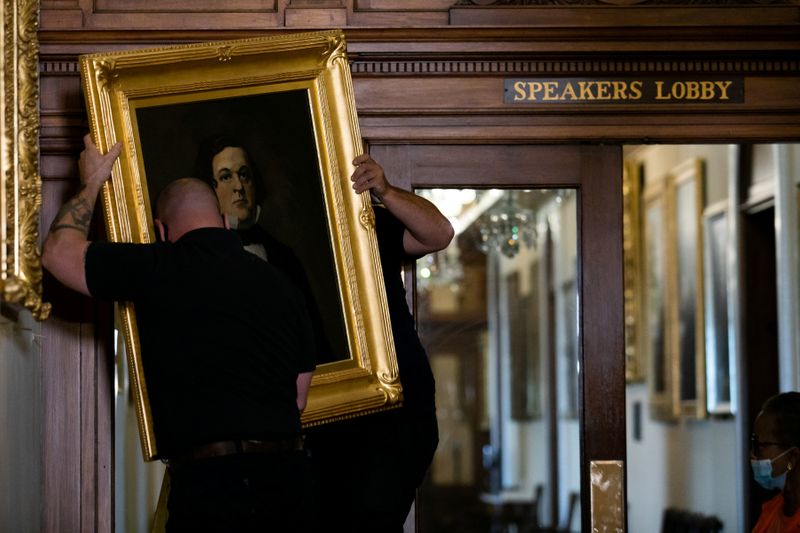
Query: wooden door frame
point(596, 173)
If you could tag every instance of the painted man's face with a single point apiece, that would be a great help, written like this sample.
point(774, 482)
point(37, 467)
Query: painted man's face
point(234, 185)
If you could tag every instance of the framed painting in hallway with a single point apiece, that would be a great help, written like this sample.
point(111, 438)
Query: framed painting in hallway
point(289, 99)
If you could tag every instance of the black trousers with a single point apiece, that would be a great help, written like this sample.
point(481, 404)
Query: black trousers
point(242, 492)
point(367, 470)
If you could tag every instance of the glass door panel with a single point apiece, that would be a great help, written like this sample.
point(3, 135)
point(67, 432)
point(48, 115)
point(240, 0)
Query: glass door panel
point(498, 311)
point(488, 453)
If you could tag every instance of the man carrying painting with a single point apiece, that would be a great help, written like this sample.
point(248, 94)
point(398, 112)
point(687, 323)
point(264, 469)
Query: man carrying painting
point(367, 470)
point(226, 346)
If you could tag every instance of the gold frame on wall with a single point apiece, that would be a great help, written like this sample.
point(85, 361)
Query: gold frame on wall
point(720, 372)
point(632, 259)
point(683, 315)
point(668, 300)
point(656, 349)
point(117, 85)
point(20, 183)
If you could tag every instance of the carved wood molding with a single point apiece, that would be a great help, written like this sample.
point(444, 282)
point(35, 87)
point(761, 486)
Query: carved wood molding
point(498, 67)
point(364, 66)
point(67, 67)
point(618, 3)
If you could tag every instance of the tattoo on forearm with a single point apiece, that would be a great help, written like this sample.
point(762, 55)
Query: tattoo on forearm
point(75, 214)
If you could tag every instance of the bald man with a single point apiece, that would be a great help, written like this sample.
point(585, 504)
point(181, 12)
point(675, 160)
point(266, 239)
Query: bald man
point(226, 347)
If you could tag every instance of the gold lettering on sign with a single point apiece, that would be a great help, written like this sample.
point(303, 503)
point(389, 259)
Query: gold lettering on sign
point(603, 88)
point(550, 90)
point(569, 92)
point(692, 90)
point(636, 90)
point(621, 90)
point(660, 91)
point(586, 94)
point(519, 91)
point(723, 86)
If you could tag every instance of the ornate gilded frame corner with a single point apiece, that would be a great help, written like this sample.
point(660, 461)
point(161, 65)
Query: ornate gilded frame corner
point(20, 183)
point(118, 86)
point(632, 258)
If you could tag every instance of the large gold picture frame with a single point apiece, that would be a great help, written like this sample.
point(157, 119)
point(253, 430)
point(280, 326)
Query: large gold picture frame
point(20, 183)
point(657, 351)
point(673, 328)
point(685, 189)
point(632, 258)
point(291, 97)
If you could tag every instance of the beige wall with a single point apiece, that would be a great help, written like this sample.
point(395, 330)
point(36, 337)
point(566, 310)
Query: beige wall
point(20, 424)
point(661, 159)
point(688, 464)
point(137, 484)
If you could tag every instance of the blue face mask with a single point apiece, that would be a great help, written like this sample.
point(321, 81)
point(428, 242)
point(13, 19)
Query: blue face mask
point(762, 472)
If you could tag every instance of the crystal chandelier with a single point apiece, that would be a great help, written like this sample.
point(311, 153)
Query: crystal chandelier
point(442, 268)
point(506, 227)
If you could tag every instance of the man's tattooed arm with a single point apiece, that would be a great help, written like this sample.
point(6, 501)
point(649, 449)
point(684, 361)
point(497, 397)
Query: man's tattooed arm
point(76, 214)
point(66, 244)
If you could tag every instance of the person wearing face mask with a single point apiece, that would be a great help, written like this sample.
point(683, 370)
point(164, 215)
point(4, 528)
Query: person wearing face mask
point(775, 457)
point(224, 162)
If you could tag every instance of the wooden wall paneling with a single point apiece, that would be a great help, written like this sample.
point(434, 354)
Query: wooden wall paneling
point(401, 5)
point(154, 14)
point(60, 14)
point(586, 49)
point(241, 14)
point(484, 165)
point(77, 355)
point(398, 18)
point(178, 6)
point(183, 20)
point(61, 389)
point(77, 372)
point(77, 434)
point(317, 3)
point(261, 14)
point(612, 45)
point(641, 129)
point(63, 117)
point(97, 423)
point(61, 447)
point(316, 17)
point(59, 4)
point(427, 97)
point(599, 16)
point(759, 320)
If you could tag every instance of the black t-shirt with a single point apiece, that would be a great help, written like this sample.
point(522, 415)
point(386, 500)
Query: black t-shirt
point(415, 370)
point(223, 336)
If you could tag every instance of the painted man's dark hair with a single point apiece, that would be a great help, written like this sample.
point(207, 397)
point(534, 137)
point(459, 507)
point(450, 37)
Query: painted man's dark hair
point(210, 147)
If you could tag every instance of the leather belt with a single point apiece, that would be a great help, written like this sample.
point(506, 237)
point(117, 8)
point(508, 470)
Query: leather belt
point(231, 447)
